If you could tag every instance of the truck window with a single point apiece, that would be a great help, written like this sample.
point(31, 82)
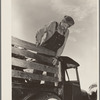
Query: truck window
point(71, 73)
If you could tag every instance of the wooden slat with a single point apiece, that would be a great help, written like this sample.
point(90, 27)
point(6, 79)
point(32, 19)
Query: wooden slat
point(34, 65)
point(35, 87)
point(32, 55)
point(21, 86)
point(31, 46)
point(29, 76)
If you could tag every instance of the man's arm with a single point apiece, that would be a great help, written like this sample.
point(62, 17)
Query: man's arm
point(40, 34)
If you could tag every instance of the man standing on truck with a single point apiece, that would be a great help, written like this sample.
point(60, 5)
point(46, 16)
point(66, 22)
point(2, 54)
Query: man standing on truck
point(56, 35)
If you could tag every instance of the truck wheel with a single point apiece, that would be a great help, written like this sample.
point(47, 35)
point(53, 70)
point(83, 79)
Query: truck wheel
point(45, 96)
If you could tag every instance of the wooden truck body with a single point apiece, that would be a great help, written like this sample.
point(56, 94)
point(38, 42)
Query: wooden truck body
point(24, 61)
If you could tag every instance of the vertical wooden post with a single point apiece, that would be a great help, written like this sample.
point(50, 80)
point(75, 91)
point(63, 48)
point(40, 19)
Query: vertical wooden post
point(77, 75)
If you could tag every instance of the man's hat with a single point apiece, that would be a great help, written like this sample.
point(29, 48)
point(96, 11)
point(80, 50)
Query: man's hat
point(69, 20)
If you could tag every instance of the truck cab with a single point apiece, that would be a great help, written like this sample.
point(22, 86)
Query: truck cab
point(70, 78)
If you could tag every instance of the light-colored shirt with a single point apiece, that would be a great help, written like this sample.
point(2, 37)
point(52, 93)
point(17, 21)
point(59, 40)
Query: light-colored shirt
point(46, 32)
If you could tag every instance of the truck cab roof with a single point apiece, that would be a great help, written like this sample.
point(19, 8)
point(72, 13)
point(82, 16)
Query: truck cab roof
point(68, 62)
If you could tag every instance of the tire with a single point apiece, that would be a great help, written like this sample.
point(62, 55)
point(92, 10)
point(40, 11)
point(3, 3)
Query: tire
point(45, 96)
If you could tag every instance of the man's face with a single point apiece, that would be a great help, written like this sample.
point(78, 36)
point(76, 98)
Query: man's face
point(64, 24)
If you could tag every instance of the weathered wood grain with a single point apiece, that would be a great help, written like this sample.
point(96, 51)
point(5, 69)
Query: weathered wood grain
point(31, 46)
point(32, 77)
point(34, 65)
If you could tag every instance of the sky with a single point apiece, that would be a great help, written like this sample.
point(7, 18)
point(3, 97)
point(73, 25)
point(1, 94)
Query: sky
point(28, 16)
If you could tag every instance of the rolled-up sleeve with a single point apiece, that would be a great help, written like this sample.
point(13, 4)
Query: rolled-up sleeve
point(45, 29)
point(40, 34)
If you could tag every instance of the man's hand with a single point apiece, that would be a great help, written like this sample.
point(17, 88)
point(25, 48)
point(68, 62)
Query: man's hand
point(54, 62)
point(37, 43)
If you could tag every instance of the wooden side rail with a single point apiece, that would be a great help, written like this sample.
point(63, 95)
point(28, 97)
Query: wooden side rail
point(29, 76)
point(30, 46)
point(29, 54)
point(41, 60)
point(34, 65)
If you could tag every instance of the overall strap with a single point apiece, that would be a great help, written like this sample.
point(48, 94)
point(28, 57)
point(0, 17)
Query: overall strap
point(56, 26)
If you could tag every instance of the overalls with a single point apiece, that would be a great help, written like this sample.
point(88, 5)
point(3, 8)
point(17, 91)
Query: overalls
point(55, 42)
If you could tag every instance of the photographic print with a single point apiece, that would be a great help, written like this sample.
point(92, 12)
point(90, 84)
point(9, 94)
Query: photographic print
point(54, 49)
